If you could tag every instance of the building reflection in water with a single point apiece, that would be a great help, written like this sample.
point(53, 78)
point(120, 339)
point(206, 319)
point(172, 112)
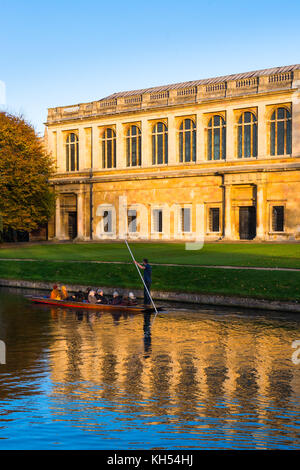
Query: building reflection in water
point(193, 369)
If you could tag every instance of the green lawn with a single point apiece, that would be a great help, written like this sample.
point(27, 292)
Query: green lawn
point(262, 255)
point(275, 285)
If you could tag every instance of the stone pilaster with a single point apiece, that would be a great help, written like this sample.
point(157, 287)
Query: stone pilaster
point(296, 124)
point(57, 219)
point(120, 146)
point(146, 129)
point(261, 201)
point(230, 134)
point(200, 138)
point(261, 131)
point(172, 141)
point(228, 213)
point(80, 214)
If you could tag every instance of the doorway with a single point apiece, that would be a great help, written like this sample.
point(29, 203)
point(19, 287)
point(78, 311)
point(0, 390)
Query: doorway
point(72, 225)
point(247, 223)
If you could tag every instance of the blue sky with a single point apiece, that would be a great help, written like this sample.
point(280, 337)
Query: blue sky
point(66, 52)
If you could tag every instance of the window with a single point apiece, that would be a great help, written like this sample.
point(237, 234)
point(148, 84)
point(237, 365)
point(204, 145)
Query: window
point(281, 132)
point(216, 138)
point(185, 219)
point(158, 220)
point(133, 146)
point(72, 152)
point(214, 219)
point(132, 219)
point(187, 141)
point(247, 135)
point(107, 221)
point(278, 218)
point(109, 148)
point(159, 144)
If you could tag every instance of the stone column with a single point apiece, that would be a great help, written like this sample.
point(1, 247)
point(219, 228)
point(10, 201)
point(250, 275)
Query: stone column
point(57, 219)
point(262, 133)
point(80, 214)
point(228, 218)
point(261, 211)
point(172, 141)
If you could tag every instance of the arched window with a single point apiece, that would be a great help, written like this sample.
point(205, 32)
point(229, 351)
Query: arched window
point(281, 132)
point(133, 146)
point(72, 152)
point(187, 141)
point(109, 148)
point(247, 135)
point(216, 138)
point(159, 144)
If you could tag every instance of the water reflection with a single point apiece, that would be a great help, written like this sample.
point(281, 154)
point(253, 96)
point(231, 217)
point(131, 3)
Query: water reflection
point(206, 379)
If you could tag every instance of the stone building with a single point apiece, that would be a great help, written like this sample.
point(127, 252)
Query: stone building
point(208, 159)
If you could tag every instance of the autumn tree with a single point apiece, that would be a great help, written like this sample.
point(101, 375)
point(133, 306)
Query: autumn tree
point(26, 198)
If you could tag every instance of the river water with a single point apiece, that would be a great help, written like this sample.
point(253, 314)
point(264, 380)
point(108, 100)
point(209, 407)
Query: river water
point(196, 379)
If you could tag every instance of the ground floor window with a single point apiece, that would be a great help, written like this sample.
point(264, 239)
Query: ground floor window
point(158, 220)
point(214, 219)
point(132, 221)
point(278, 218)
point(107, 221)
point(185, 219)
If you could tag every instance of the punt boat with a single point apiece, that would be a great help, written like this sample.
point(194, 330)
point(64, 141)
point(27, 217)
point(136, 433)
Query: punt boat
point(88, 306)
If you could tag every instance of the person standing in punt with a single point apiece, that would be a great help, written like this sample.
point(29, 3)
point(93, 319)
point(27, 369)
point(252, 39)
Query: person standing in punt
point(147, 279)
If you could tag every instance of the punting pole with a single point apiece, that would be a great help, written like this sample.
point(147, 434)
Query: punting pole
point(147, 290)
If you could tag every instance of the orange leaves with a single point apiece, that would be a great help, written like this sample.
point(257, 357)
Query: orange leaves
point(26, 199)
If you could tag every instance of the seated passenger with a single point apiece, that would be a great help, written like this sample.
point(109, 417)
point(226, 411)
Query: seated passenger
point(79, 296)
point(129, 300)
point(117, 299)
point(101, 299)
point(132, 299)
point(55, 294)
point(91, 297)
point(64, 293)
point(86, 293)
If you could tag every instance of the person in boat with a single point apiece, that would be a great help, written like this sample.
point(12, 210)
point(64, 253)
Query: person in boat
point(86, 293)
point(64, 293)
point(130, 300)
point(117, 299)
point(101, 299)
point(55, 294)
point(92, 297)
point(79, 296)
point(147, 279)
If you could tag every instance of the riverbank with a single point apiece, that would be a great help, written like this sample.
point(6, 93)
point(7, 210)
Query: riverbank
point(200, 299)
point(284, 255)
point(243, 274)
point(257, 284)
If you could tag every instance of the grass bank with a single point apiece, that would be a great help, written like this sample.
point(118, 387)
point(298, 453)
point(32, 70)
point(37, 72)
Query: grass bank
point(213, 254)
point(270, 285)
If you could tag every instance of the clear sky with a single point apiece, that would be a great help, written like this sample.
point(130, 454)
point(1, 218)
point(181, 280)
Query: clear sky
point(66, 52)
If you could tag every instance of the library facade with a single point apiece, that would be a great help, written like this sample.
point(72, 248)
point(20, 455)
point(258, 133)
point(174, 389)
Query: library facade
point(212, 159)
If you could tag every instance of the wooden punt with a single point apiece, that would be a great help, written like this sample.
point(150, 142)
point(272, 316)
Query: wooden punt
point(88, 306)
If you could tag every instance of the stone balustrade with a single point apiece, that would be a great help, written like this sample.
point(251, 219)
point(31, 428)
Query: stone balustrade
point(176, 96)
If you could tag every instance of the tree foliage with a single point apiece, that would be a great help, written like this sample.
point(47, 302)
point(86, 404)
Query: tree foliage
point(26, 198)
